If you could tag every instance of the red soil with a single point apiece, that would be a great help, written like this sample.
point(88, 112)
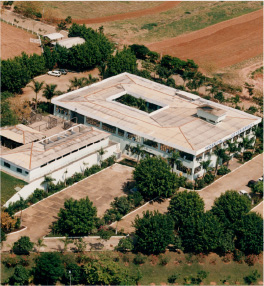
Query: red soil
point(221, 45)
point(14, 41)
point(158, 9)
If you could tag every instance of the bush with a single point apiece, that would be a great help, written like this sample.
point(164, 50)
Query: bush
point(238, 256)
point(125, 244)
point(189, 185)
point(252, 277)
point(20, 276)
point(149, 26)
point(139, 259)
point(223, 170)
point(251, 259)
point(164, 260)
point(228, 257)
point(11, 261)
point(23, 246)
point(200, 183)
point(247, 155)
point(172, 279)
point(208, 178)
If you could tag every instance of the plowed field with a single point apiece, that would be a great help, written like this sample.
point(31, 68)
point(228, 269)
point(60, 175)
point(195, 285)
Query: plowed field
point(14, 41)
point(222, 44)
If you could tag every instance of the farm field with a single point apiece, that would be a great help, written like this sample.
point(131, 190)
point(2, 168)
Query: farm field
point(14, 41)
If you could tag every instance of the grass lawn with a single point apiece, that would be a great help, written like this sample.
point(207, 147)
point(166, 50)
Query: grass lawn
point(183, 264)
point(8, 183)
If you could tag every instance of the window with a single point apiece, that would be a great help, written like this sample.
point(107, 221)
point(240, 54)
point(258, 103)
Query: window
point(166, 149)
point(150, 143)
point(133, 137)
point(121, 132)
point(109, 128)
point(82, 147)
point(26, 172)
point(92, 121)
point(51, 161)
point(186, 156)
point(43, 165)
point(7, 165)
point(66, 154)
point(19, 170)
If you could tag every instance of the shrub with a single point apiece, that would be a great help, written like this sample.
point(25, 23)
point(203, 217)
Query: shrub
point(200, 183)
point(247, 155)
point(136, 198)
point(23, 246)
point(208, 178)
point(173, 278)
point(252, 277)
point(238, 256)
point(105, 233)
point(223, 170)
point(189, 185)
point(149, 26)
point(11, 261)
point(164, 260)
point(126, 258)
point(69, 181)
point(125, 244)
point(139, 259)
point(20, 276)
point(228, 257)
point(251, 259)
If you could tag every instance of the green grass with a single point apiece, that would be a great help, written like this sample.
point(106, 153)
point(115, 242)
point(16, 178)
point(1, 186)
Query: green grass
point(156, 273)
point(8, 183)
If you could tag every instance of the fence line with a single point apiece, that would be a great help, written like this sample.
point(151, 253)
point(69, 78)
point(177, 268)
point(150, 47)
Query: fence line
point(20, 27)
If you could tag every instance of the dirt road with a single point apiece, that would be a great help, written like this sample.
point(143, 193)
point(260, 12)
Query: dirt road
point(222, 44)
point(154, 10)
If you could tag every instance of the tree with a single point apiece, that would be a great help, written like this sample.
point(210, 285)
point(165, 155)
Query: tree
point(8, 116)
point(49, 268)
point(140, 51)
point(76, 218)
point(219, 153)
point(249, 232)
point(153, 232)
point(23, 246)
point(125, 244)
point(251, 279)
point(105, 271)
point(20, 276)
point(124, 61)
point(230, 207)
point(138, 150)
point(75, 276)
point(220, 97)
point(36, 87)
point(201, 234)
point(7, 222)
point(40, 243)
point(174, 159)
point(49, 91)
point(185, 206)
point(154, 178)
point(205, 165)
point(258, 188)
point(101, 153)
point(48, 182)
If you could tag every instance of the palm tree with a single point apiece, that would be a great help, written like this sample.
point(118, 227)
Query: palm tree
point(101, 153)
point(219, 154)
point(36, 87)
point(40, 244)
point(66, 241)
point(205, 165)
point(49, 92)
point(174, 159)
point(246, 143)
point(138, 150)
point(65, 173)
point(185, 75)
point(47, 180)
point(84, 164)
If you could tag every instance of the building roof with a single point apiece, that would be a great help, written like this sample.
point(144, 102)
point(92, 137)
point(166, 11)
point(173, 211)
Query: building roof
point(35, 154)
point(176, 124)
point(70, 42)
point(21, 134)
point(54, 36)
point(212, 110)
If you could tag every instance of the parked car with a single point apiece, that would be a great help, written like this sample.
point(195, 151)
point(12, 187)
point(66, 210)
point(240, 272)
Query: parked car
point(63, 71)
point(251, 183)
point(55, 73)
point(244, 193)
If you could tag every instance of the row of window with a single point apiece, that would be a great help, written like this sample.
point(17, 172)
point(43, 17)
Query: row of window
point(19, 170)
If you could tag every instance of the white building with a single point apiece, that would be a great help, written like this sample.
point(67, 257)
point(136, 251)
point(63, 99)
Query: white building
point(70, 42)
point(71, 150)
point(177, 120)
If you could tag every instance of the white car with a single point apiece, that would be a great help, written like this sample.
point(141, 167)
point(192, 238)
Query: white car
point(244, 193)
point(54, 73)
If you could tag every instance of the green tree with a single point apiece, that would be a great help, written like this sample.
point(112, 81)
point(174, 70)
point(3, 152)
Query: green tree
point(219, 153)
point(8, 116)
point(230, 207)
point(138, 150)
point(49, 91)
point(49, 269)
point(48, 182)
point(206, 166)
point(201, 234)
point(154, 178)
point(123, 61)
point(76, 218)
point(125, 244)
point(101, 153)
point(249, 233)
point(174, 159)
point(23, 246)
point(104, 271)
point(185, 206)
point(252, 278)
point(258, 188)
point(20, 276)
point(153, 232)
point(75, 277)
point(140, 51)
point(36, 87)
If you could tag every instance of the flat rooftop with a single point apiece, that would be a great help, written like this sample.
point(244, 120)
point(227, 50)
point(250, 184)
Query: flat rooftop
point(36, 154)
point(21, 133)
point(175, 124)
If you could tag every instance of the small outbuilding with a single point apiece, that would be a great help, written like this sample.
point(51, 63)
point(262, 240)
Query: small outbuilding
point(70, 42)
point(53, 36)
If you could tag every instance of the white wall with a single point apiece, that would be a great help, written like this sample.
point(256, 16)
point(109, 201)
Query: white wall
point(61, 174)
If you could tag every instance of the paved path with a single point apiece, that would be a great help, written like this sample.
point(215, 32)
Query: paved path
point(236, 180)
point(101, 189)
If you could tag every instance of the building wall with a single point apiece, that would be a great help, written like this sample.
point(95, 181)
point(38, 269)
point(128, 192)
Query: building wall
point(13, 170)
point(64, 173)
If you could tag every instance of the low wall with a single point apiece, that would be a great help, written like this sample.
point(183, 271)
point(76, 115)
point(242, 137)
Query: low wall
point(61, 174)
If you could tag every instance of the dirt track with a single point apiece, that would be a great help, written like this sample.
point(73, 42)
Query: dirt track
point(14, 41)
point(222, 44)
point(158, 9)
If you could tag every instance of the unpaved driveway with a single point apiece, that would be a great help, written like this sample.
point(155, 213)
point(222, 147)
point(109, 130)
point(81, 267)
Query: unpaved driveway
point(101, 189)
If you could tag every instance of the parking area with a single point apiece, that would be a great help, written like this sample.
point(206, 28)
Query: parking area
point(101, 189)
